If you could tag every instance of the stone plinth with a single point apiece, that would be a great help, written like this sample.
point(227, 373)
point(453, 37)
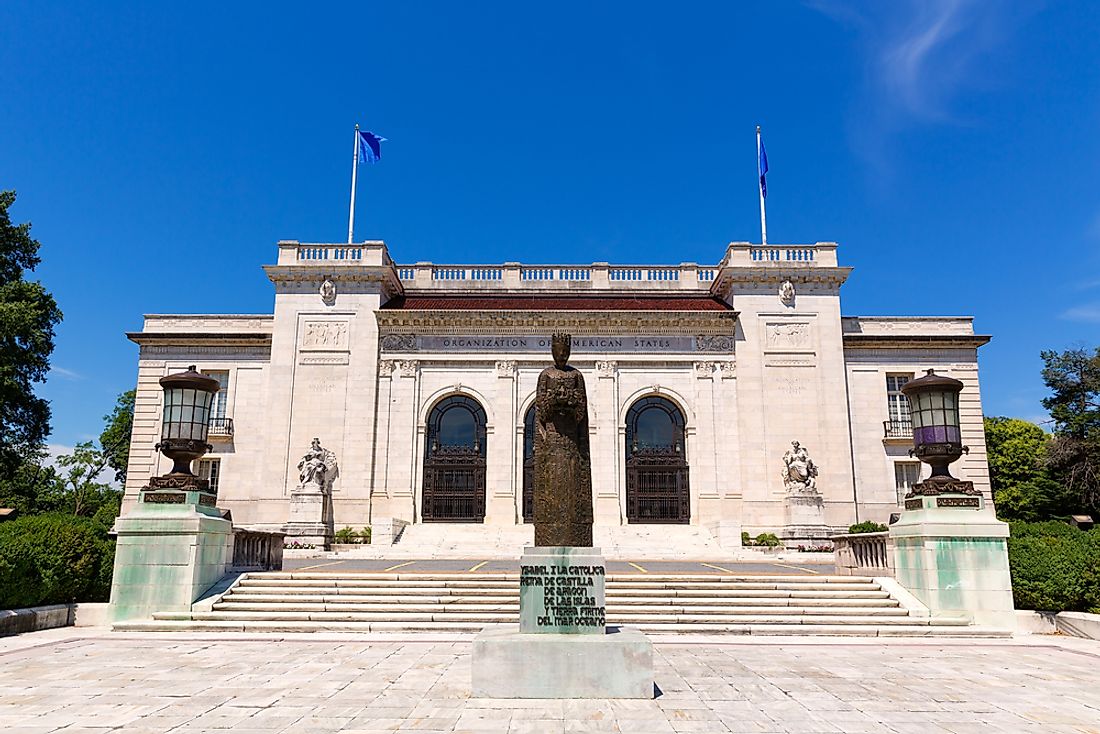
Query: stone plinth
point(562, 648)
point(951, 552)
point(307, 521)
point(172, 546)
point(510, 664)
point(805, 517)
point(561, 590)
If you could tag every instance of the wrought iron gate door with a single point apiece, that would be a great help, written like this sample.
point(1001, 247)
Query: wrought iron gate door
point(454, 462)
point(657, 487)
point(454, 485)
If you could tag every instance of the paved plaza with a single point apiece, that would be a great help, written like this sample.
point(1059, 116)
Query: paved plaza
point(94, 681)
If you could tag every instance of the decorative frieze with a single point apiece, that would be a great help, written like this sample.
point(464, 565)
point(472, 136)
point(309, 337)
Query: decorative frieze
point(539, 344)
point(714, 343)
point(339, 358)
point(579, 323)
point(787, 334)
point(605, 368)
point(325, 335)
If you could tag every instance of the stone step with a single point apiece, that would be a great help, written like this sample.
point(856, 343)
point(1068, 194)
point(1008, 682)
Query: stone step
point(513, 592)
point(937, 628)
point(504, 617)
point(354, 576)
point(618, 585)
point(512, 611)
point(367, 603)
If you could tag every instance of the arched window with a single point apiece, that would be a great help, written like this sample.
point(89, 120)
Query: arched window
point(529, 465)
point(657, 487)
point(454, 462)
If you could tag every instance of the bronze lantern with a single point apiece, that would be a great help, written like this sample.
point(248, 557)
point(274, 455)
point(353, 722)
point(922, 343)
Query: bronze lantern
point(937, 439)
point(186, 418)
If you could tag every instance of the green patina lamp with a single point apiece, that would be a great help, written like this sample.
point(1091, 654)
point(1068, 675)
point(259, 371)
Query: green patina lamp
point(185, 426)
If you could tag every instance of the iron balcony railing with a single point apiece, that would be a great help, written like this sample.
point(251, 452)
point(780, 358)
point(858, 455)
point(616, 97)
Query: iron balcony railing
point(221, 427)
point(897, 429)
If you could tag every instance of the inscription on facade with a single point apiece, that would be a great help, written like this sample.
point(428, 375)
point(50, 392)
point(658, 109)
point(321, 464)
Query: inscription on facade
point(629, 344)
point(567, 595)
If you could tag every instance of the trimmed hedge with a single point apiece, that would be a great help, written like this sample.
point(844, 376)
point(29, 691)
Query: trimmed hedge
point(54, 559)
point(867, 526)
point(1055, 567)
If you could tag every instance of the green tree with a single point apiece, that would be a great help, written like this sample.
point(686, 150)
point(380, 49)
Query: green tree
point(1073, 456)
point(115, 438)
point(82, 491)
point(1022, 486)
point(28, 314)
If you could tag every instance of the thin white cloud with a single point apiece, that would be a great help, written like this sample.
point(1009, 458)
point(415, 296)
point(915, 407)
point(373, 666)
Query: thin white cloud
point(65, 374)
point(1086, 312)
point(920, 57)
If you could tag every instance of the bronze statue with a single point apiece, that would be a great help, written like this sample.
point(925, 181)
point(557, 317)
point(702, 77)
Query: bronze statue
point(563, 462)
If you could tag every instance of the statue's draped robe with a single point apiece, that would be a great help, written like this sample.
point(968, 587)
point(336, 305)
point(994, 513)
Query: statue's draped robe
point(563, 463)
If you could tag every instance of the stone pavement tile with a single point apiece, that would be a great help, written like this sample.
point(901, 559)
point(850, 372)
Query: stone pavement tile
point(548, 709)
point(695, 726)
point(484, 718)
point(375, 724)
point(430, 723)
point(536, 726)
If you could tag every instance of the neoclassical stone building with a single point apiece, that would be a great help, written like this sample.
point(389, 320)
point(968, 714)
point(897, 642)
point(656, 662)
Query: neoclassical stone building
point(421, 378)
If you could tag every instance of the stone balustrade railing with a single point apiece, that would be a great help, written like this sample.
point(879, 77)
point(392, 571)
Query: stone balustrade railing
point(863, 554)
point(258, 549)
point(510, 276)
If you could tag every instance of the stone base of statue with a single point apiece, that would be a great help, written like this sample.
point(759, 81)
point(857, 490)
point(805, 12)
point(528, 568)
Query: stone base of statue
point(308, 523)
point(562, 647)
point(950, 551)
point(173, 545)
point(805, 518)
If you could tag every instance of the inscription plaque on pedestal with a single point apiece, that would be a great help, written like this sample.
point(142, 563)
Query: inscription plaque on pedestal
point(561, 590)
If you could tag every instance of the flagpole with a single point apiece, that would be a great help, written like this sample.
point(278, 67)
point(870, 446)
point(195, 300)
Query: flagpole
point(354, 174)
point(760, 187)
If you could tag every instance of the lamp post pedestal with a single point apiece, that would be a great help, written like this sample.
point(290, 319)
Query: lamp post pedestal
point(173, 545)
point(951, 552)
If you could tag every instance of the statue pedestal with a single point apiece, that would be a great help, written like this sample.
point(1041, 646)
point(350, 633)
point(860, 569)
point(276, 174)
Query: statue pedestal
point(308, 522)
point(173, 545)
point(805, 518)
point(952, 554)
point(561, 647)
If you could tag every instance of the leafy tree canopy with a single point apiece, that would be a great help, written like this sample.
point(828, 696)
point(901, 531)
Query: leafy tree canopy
point(1016, 450)
point(28, 314)
point(1073, 377)
point(115, 438)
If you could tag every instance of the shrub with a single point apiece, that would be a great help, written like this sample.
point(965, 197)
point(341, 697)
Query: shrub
point(746, 539)
point(1055, 567)
point(54, 559)
point(768, 540)
point(364, 535)
point(867, 526)
point(346, 535)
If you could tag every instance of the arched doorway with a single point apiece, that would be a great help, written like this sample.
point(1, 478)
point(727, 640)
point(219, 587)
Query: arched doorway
point(454, 462)
point(657, 488)
point(529, 465)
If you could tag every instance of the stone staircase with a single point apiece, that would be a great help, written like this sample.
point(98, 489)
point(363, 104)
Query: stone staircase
point(467, 602)
point(490, 542)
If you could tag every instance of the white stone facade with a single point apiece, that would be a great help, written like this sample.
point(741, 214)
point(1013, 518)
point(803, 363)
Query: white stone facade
point(753, 351)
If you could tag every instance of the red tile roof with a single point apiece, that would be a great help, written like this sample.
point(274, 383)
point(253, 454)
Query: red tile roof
point(558, 303)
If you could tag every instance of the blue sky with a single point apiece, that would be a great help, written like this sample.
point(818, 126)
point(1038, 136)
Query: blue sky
point(951, 148)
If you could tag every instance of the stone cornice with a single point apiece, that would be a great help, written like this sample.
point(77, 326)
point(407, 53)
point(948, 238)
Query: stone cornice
point(578, 323)
point(773, 274)
point(915, 341)
point(200, 339)
point(384, 275)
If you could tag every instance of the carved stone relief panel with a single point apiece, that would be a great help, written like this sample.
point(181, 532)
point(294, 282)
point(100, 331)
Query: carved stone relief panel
point(386, 367)
point(704, 370)
point(787, 334)
point(728, 370)
point(324, 336)
point(408, 367)
point(506, 368)
point(605, 368)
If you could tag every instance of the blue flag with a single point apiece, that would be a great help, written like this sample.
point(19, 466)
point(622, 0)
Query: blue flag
point(763, 169)
point(370, 147)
